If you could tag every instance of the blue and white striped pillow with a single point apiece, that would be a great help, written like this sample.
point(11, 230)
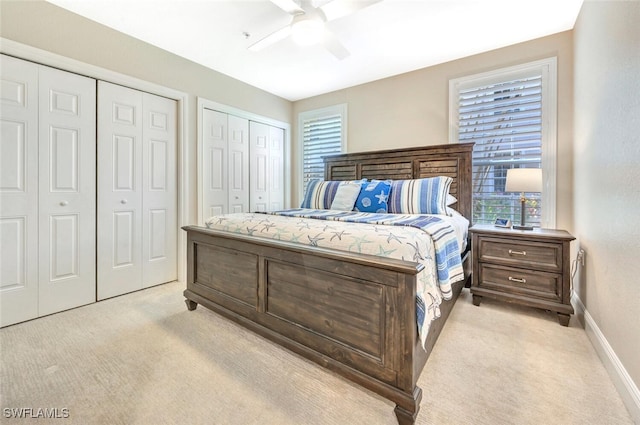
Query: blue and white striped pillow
point(319, 194)
point(420, 196)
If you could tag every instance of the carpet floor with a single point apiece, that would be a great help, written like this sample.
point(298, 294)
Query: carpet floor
point(142, 358)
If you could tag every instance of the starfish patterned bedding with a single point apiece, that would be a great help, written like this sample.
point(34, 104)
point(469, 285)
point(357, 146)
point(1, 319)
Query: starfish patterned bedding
point(436, 241)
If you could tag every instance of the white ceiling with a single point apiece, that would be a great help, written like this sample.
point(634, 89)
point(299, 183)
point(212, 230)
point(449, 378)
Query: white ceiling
point(387, 38)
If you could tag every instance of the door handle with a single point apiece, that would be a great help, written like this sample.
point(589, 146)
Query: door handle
point(64, 203)
point(124, 201)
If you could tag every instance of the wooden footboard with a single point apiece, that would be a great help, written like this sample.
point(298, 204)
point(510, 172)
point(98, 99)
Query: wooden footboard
point(354, 314)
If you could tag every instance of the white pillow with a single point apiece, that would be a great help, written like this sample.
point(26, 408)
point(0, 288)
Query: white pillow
point(346, 196)
point(451, 199)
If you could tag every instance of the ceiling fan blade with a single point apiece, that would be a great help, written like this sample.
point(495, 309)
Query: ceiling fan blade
point(338, 8)
point(289, 6)
point(319, 3)
point(333, 45)
point(272, 38)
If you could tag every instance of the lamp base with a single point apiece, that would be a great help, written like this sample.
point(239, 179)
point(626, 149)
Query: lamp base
point(522, 225)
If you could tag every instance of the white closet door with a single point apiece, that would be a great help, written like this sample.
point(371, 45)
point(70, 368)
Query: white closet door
point(238, 138)
point(266, 158)
point(18, 191)
point(67, 189)
point(276, 168)
point(214, 163)
point(119, 190)
point(159, 196)
point(259, 163)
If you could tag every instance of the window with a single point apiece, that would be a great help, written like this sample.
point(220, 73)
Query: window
point(510, 114)
point(322, 132)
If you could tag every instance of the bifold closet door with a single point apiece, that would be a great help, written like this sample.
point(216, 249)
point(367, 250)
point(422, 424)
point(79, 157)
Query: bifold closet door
point(225, 163)
point(276, 168)
point(119, 190)
point(137, 194)
point(214, 163)
point(266, 157)
point(18, 191)
point(67, 191)
point(159, 190)
point(47, 191)
point(238, 137)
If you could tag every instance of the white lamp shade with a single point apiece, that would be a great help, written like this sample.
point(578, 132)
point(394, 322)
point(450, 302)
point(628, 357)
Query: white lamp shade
point(524, 180)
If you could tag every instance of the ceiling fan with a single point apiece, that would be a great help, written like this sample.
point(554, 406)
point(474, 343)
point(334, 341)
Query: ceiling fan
point(307, 26)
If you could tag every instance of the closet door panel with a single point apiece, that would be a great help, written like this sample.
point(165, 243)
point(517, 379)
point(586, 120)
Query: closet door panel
point(159, 206)
point(238, 145)
point(266, 158)
point(67, 190)
point(259, 163)
point(120, 190)
point(276, 168)
point(18, 190)
point(214, 167)
point(238, 198)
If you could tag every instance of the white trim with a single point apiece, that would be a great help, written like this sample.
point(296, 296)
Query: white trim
point(549, 68)
point(210, 104)
point(22, 51)
point(621, 379)
point(340, 109)
point(550, 139)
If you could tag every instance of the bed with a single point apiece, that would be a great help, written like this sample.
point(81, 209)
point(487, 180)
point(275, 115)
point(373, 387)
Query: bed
point(349, 312)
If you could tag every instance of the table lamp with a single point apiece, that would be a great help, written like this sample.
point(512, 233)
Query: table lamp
point(523, 180)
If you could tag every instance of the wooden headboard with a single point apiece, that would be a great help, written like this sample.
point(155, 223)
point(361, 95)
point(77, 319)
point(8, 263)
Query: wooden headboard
point(453, 160)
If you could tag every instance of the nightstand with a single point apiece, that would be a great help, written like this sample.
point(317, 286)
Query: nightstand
point(529, 267)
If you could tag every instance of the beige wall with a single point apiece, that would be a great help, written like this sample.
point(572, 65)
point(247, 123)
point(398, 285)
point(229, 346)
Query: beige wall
point(412, 109)
point(48, 27)
point(607, 173)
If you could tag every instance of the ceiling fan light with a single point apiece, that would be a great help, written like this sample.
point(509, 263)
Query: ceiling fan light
point(307, 32)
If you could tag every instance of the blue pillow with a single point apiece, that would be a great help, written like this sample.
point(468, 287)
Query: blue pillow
point(420, 196)
point(374, 196)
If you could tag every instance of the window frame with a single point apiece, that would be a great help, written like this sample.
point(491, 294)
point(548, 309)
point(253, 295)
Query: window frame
point(339, 109)
point(548, 69)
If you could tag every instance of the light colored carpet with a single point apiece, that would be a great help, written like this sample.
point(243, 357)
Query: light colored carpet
point(144, 359)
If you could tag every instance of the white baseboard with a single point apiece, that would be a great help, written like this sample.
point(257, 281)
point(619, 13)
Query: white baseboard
point(627, 389)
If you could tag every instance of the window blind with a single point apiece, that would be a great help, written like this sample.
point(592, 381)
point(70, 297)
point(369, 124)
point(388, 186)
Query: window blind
point(504, 119)
point(321, 136)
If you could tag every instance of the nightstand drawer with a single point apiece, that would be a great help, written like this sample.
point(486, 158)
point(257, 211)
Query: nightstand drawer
point(517, 281)
point(537, 255)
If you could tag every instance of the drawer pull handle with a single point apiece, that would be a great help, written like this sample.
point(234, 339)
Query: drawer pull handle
point(512, 252)
point(515, 279)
